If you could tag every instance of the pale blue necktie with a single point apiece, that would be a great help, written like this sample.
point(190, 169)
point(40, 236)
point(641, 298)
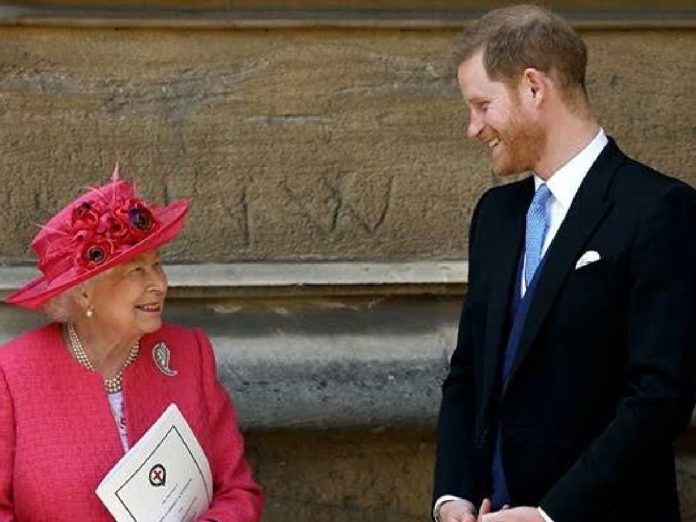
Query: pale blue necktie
point(537, 225)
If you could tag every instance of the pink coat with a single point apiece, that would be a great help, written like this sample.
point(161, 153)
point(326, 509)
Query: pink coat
point(58, 438)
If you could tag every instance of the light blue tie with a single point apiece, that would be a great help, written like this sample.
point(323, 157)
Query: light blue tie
point(537, 225)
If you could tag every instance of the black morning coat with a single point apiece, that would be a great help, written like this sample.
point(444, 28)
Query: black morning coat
point(603, 379)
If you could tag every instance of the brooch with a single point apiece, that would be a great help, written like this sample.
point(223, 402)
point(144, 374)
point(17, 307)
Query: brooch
point(161, 356)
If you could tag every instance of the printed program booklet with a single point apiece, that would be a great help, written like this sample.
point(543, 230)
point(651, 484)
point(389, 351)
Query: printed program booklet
point(165, 477)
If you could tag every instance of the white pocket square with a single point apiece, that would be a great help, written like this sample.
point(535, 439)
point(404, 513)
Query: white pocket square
point(588, 257)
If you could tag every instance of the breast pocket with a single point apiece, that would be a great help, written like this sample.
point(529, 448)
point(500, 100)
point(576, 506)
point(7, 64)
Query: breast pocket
point(591, 294)
point(600, 273)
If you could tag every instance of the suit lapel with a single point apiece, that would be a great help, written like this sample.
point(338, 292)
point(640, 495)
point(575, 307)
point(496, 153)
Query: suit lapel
point(589, 207)
point(507, 247)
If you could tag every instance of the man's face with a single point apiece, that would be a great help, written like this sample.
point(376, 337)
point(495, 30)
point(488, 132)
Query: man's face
point(499, 119)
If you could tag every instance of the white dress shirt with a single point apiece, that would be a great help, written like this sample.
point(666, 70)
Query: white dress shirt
point(563, 184)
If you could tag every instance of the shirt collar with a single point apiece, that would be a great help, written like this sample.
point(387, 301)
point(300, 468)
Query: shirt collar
point(565, 182)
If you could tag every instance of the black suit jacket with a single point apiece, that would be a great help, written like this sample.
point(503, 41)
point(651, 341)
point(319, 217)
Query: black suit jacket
point(604, 376)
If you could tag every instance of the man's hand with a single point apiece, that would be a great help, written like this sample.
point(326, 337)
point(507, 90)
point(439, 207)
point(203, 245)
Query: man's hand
point(519, 514)
point(484, 509)
point(459, 511)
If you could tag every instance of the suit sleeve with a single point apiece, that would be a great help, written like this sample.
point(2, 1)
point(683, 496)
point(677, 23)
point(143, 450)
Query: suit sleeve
point(236, 496)
point(454, 466)
point(659, 394)
point(7, 448)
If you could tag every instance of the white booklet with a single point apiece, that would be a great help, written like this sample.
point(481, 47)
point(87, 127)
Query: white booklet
point(165, 477)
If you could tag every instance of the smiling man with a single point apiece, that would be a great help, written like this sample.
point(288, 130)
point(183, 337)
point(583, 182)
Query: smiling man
point(574, 366)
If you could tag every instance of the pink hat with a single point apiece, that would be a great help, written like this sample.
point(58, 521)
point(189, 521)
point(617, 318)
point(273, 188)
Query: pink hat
point(100, 229)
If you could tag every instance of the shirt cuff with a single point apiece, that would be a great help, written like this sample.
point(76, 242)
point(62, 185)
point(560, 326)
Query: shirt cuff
point(544, 515)
point(448, 498)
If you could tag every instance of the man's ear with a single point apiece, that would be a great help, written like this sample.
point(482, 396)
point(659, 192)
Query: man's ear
point(534, 86)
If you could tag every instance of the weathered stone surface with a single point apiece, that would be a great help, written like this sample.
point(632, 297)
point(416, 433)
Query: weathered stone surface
point(650, 111)
point(293, 144)
point(623, 5)
point(368, 363)
point(686, 482)
point(344, 477)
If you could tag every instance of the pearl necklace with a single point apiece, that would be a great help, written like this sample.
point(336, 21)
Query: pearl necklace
point(112, 384)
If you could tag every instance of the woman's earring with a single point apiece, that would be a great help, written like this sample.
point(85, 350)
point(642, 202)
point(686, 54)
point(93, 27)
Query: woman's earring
point(90, 312)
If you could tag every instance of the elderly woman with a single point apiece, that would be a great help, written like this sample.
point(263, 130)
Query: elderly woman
point(76, 394)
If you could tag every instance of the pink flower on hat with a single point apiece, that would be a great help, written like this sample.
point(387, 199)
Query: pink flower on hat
point(139, 218)
point(94, 252)
point(85, 215)
point(113, 227)
point(101, 231)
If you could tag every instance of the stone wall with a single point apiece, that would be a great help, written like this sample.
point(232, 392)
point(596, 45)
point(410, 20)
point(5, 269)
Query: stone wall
point(293, 144)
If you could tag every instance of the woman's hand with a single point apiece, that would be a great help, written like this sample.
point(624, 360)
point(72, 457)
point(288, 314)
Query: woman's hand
point(518, 514)
point(457, 511)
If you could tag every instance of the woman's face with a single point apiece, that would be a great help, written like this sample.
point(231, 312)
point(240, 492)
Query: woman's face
point(128, 300)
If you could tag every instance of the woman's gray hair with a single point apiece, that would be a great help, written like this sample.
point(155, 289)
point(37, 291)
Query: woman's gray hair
point(63, 308)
